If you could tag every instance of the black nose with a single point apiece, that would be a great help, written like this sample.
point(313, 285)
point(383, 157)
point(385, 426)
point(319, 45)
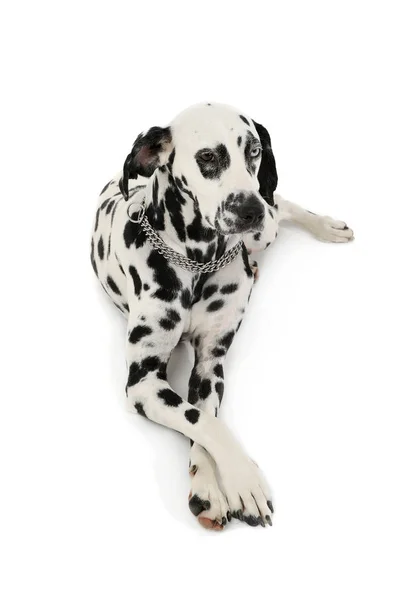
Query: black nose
point(251, 211)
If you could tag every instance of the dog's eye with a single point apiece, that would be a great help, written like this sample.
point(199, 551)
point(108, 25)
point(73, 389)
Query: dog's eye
point(255, 152)
point(207, 156)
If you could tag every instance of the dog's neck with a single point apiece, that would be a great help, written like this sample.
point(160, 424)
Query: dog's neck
point(173, 212)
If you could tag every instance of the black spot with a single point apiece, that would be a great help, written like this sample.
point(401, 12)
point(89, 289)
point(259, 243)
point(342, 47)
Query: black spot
point(186, 298)
point(219, 371)
point(213, 169)
point(205, 389)
point(173, 314)
point(151, 363)
point(137, 371)
point(192, 415)
point(197, 505)
point(109, 246)
point(161, 374)
point(97, 219)
point(100, 248)
point(215, 305)
point(257, 236)
point(218, 351)
point(92, 260)
point(230, 288)
point(138, 333)
point(239, 140)
point(170, 397)
point(244, 120)
point(136, 280)
point(171, 320)
point(195, 254)
point(197, 232)
point(134, 234)
point(146, 287)
point(193, 396)
point(184, 179)
point(155, 189)
point(165, 276)
point(227, 339)
point(156, 214)
point(113, 286)
point(126, 307)
point(109, 207)
point(140, 409)
point(171, 159)
point(174, 207)
point(219, 389)
point(194, 384)
point(209, 290)
point(247, 266)
point(104, 204)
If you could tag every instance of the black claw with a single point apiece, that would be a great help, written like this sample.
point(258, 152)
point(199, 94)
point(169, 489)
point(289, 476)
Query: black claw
point(224, 521)
point(239, 515)
point(268, 520)
point(346, 227)
point(261, 522)
point(269, 503)
point(228, 515)
point(197, 505)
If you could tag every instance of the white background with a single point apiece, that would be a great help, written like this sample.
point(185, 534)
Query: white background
point(93, 500)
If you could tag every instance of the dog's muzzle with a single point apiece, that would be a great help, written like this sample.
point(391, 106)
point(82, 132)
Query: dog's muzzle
point(249, 213)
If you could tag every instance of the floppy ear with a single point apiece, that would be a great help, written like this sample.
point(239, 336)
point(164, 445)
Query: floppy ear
point(150, 150)
point(267, 175)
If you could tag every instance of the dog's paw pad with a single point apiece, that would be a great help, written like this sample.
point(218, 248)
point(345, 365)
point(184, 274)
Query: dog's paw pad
point(210, 524)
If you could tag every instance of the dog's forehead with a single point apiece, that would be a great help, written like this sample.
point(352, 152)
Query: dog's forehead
point(207, 123)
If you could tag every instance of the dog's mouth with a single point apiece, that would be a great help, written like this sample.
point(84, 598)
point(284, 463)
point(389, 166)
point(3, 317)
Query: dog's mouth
point(231, 224)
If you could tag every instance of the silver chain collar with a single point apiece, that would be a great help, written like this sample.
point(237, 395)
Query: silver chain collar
point(175, 257)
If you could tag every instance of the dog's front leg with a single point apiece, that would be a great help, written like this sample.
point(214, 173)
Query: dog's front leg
point(206, 387)
point(153, 332)
point(325, 229)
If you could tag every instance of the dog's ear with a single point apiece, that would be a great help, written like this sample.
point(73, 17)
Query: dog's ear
point(150, 150)
point(267, 174)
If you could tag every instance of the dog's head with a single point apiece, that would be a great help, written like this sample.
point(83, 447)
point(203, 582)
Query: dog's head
point(222, 158)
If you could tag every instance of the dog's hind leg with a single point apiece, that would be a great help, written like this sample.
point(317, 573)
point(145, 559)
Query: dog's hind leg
point(325, 229)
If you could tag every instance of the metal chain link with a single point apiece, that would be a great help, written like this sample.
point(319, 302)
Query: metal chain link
point(179, 259)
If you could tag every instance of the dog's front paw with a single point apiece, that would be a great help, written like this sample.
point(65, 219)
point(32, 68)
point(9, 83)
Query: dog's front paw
point(247, 493)
point(206, 500)
point(327, 229)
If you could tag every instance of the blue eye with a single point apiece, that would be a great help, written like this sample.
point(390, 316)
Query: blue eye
point(255, 152)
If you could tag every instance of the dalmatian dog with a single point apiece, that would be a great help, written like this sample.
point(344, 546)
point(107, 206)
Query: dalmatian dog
point(171, 244)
